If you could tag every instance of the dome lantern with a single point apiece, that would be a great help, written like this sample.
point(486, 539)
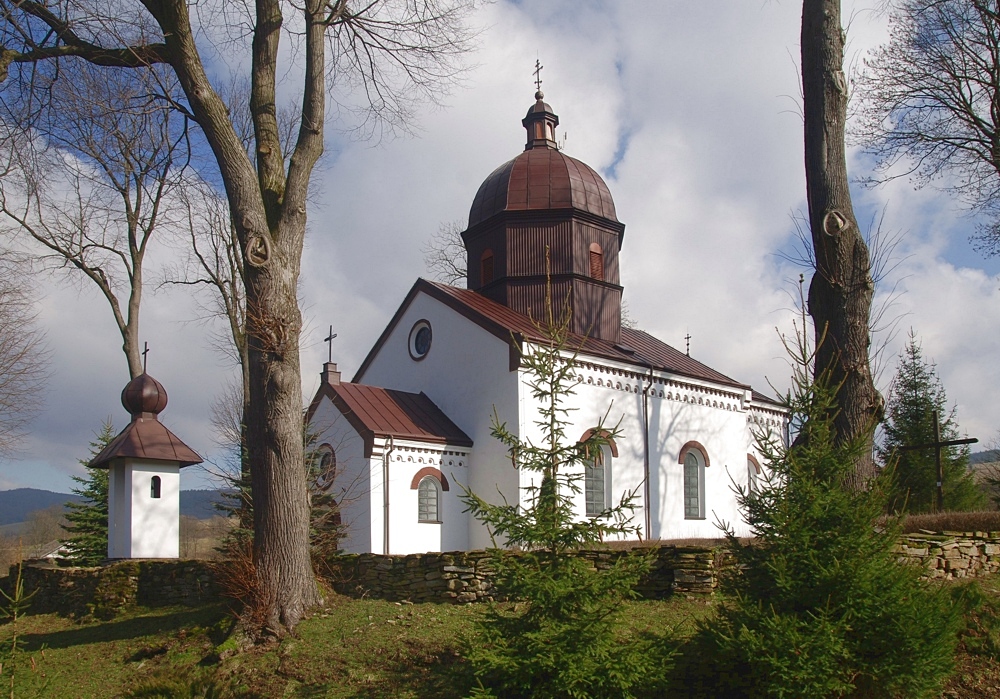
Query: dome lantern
point(541, 204)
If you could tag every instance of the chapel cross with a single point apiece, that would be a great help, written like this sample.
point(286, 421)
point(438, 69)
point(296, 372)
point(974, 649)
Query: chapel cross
point(687, 339)
point(329, 341)
point(937, 445)
point(538, 75)
point(145, 351)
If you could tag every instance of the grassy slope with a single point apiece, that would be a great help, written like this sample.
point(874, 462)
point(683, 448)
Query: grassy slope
point(354, 648)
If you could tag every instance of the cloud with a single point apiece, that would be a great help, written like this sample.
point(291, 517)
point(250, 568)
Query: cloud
point(691, 114)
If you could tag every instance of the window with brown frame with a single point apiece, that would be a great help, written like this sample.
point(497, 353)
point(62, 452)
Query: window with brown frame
point(486, 268)
point(596, 262)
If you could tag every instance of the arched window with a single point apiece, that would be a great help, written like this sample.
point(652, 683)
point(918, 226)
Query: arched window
point(597, 482)
point(154, 487)
point(753, 474)
point(695, 461)
point(596, 262)
point(428, 500)
point(326, 467)
point(486, 267)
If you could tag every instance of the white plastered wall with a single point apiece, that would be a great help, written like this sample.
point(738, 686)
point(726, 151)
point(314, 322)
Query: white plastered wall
point(680, 411)
point(406, 459)
point(352, 487)
point(141, 526)
point(467, 374)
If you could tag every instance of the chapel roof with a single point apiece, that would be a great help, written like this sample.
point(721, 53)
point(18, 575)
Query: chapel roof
point(542, 177)
point(145, 437)
point(637, 348)
point(385, 412)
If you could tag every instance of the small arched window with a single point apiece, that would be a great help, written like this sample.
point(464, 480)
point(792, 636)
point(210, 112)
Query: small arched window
point(753, 474)
point(596, 262)
point(154, 487)
point(428, 500)
point(486, 267)
point(326, 467)
point(695, 460)
point(597, 482)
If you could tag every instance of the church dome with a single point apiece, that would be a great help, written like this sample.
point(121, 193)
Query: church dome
point(542, 177)
point(144, 394)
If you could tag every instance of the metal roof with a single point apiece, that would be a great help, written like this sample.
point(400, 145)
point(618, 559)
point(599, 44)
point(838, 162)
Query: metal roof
point(147, 438)
point(385, 412)
point(637, 348)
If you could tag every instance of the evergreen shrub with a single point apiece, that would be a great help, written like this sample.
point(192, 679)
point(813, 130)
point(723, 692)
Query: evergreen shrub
point(817, 604)
point(557, 634)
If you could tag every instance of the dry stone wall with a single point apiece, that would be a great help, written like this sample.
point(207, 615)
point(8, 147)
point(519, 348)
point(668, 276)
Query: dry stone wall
point(952, 554)
point(454, 577)
point(464, 576)
point(103, 592)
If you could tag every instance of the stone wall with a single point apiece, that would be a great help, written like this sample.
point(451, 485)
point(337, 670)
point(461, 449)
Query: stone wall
point(952, 554)
point(454, 577)
point(102, 592)
point(464, 576)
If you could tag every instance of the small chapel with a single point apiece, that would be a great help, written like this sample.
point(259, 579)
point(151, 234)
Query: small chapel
point(415, 421)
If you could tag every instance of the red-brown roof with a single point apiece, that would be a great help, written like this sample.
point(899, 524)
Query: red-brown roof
point(637, 348)
point(385, 412)
point(147, 438)
point(542, 178)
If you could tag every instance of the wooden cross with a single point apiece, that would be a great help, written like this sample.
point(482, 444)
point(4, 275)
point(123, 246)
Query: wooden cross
point(145, 351)
point(329, 341)
point(538, 74)
point(687, 339)
point(937, 445)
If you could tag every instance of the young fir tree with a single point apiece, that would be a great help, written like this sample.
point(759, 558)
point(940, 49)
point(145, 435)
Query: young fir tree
point(916, 393)
point(562, 637)
point(817, 605)
point(88, 521)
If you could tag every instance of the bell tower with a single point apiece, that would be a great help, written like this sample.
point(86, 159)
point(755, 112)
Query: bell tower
point(544, 200)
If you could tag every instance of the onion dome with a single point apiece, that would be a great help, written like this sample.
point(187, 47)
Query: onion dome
point(542, 177)
point(144, 394)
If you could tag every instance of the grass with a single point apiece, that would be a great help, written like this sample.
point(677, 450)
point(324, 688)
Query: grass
point(351, 649)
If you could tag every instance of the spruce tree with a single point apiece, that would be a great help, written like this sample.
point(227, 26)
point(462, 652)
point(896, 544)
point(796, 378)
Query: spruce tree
point(562, 637)
point(88, 520)
point(916, 393)
point(816, 604)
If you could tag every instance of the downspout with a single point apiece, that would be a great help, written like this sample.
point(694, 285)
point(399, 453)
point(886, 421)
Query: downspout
point(645, 452)
point(385, 496)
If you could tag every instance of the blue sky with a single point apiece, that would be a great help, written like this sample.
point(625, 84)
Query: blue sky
point(692, 116)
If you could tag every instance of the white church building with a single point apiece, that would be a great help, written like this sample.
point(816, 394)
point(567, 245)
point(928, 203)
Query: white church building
point(415, 421)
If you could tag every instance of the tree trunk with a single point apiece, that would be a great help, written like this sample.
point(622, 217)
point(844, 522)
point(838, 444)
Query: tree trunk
point(274, 448)
point(840, 294)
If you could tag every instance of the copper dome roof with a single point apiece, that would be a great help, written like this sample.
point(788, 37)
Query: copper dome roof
point(144, 394)
point(542, 177)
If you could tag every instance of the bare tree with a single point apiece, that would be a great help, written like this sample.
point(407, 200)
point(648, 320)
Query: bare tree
point(930, 103)
point(22, 359)
point(378, 56)
point(841, 289)
point(88, 189)
point(445, 257)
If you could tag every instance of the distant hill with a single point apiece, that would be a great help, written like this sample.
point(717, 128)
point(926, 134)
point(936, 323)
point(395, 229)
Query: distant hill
point(18, 504)
point(983, 457)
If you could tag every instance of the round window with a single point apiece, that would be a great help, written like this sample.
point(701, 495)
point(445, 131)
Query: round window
point(420, 339)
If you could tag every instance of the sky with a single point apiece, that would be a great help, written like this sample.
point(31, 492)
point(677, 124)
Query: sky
point(691, 113)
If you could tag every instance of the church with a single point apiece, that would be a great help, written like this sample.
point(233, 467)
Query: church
point(397, 443)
